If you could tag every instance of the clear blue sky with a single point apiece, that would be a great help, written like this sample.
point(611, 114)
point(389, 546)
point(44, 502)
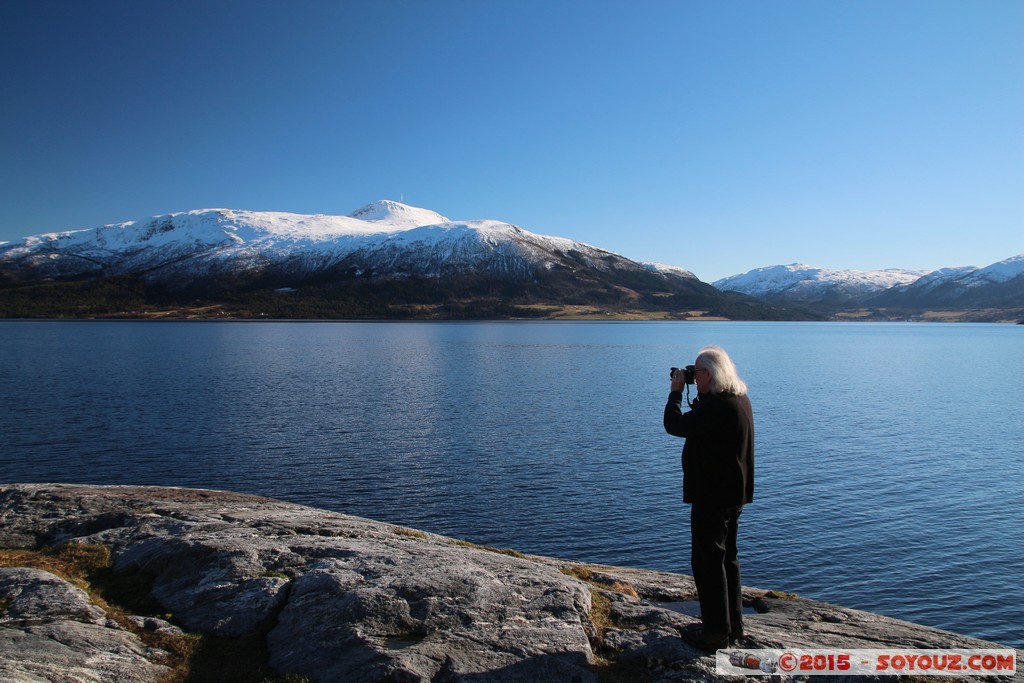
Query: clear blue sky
point(717, 136)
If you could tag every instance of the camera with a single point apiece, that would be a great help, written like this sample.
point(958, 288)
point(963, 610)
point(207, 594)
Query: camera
point(688, 373)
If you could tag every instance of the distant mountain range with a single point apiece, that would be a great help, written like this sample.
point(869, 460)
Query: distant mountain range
point(388, 259)
point(808, 284)
point(998, 286)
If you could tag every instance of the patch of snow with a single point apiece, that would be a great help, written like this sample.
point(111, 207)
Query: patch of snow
point(666, 268)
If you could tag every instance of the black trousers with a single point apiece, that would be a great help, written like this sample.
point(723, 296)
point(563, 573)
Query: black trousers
point(716, 568)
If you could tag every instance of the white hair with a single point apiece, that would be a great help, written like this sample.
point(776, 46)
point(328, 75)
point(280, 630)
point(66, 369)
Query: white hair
point(724, 377)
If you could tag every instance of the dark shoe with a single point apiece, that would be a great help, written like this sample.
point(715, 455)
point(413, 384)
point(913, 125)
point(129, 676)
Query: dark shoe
point(736, 635)
point(705, 640)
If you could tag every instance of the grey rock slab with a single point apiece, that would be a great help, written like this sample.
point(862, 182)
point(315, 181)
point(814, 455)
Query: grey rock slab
point(421, 611)
point(343, 598)
point(33, 595)
point(50, 631)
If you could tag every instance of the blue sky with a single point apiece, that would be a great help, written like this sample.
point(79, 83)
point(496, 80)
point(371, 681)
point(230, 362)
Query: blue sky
point(717, 136)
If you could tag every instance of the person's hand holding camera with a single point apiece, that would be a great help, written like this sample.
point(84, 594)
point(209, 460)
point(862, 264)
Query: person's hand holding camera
point(678, 380)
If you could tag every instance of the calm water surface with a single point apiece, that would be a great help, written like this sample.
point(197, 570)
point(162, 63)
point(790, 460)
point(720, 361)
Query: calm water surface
point(890, 465)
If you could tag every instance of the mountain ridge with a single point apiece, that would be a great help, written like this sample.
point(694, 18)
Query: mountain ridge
point(388, 258)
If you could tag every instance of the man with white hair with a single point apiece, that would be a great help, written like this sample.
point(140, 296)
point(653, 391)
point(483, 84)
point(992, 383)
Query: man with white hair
point(718, 480)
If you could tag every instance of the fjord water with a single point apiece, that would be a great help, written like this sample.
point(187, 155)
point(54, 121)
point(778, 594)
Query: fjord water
point(890, 458)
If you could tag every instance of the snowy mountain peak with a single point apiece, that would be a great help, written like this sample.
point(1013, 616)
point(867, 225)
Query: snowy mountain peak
point(397, 214)
point(1003, 271)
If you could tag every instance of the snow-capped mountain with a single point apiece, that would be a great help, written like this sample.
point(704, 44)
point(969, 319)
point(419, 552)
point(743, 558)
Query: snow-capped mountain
point(382, 239)
point(386, 259)
point(998, 285)
point(997, 273)
point(798, 282)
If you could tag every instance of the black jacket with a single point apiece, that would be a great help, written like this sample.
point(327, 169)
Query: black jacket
point(718, 456)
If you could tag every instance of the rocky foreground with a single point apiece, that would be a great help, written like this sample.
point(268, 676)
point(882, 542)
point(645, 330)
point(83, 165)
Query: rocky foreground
point(338, 598)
